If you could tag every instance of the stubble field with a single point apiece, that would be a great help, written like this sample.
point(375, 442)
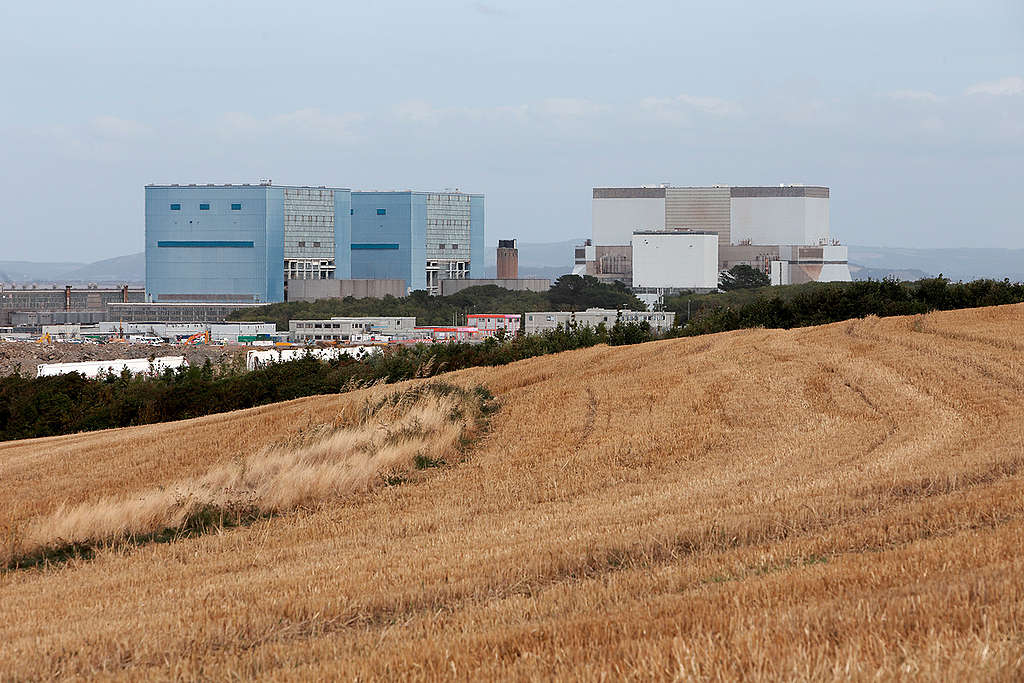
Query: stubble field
point(835, 502)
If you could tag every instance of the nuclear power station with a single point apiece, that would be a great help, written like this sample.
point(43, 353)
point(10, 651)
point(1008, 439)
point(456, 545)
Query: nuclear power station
point(662, 238)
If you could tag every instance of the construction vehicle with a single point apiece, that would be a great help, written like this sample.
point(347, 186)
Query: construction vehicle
point(120, 338)
point(45, 339)
point(198, 338)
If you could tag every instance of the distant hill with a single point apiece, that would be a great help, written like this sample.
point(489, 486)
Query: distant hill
point(859, 272)
point(130, 269)
point(955, 264)
point(28, 271)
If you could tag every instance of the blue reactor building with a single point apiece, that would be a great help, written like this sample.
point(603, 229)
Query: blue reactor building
point(241, 243)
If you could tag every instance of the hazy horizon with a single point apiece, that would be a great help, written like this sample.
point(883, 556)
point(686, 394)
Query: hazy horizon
point(912, 114)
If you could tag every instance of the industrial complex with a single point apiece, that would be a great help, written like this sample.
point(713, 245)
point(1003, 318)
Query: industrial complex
point(245, 243)
point(213, 249)
point(666, 238)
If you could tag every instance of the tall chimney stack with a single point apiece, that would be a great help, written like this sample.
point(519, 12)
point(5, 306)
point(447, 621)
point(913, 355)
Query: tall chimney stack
point(508, 260)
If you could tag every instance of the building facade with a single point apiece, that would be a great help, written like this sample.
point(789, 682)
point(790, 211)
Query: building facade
point(490, 323)
point(419, 237)
point(750, 222)
point(242, 243)
point(54, 301)
point(342, 329)
point(186, 312)
point(666, 260)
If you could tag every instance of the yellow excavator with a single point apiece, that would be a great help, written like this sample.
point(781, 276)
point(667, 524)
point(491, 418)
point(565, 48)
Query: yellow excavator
point(45, 339)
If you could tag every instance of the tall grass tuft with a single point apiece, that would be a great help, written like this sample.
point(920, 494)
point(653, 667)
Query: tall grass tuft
point(381, 442)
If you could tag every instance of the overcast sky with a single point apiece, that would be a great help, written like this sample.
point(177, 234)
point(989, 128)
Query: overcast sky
point(911, 111)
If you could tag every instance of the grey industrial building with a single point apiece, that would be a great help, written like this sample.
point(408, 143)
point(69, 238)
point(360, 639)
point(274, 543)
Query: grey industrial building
point(62, 304)
point(781, 230)
point(341, 329)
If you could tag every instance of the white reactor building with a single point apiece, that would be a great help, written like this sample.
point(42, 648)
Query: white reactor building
point(781, 230)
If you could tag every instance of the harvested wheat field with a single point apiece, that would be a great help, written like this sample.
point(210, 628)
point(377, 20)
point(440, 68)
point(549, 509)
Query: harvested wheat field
point(830, 503)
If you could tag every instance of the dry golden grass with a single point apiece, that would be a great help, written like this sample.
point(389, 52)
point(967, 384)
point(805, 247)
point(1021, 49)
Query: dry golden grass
point(830, 503)
point(383, 442)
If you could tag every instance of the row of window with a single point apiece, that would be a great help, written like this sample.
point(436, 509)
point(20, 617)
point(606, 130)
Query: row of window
point(206, 207)
point(442, 246)
point(453, 222)
point(315, 244)
point(447, 197)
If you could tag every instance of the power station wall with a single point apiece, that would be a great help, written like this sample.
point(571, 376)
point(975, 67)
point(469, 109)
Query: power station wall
point(699, 208)
point(476, 236)
point(389, 237)
point(342, 234)
point(520, 284)
point(675, 261)
point(780, 220)
point(615, 219)
point(214, 243)
point(311, 290)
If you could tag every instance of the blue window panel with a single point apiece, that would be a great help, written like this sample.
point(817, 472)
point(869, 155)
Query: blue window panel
point(236, 207)
point(382, 212)
point(205, 243)
point(204, 207)
point(175, 207)
point(376, 245)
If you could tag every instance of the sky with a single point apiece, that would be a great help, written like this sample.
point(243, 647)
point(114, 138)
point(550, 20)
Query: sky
point(912, 112)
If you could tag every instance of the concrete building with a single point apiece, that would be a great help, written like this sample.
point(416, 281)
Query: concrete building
point(538, 321)
point(56, 300)
point(607, 263)
point(312, 290)
point(751, 224)
point(345, 329)
point(529, 284)
point(785, 214)
point(187, 312)
point(665, 260)
point(490, 323)
point(32, 321)
point(508, 260)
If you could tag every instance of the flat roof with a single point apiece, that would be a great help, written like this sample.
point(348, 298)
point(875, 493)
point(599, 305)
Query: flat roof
point(468, 194)
point(250, 186)
point(675, 232)
point(659, 192)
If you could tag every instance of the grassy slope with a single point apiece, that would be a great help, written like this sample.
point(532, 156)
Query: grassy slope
point(822, 502)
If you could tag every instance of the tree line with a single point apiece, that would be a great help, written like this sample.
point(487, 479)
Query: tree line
point(46, 406)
